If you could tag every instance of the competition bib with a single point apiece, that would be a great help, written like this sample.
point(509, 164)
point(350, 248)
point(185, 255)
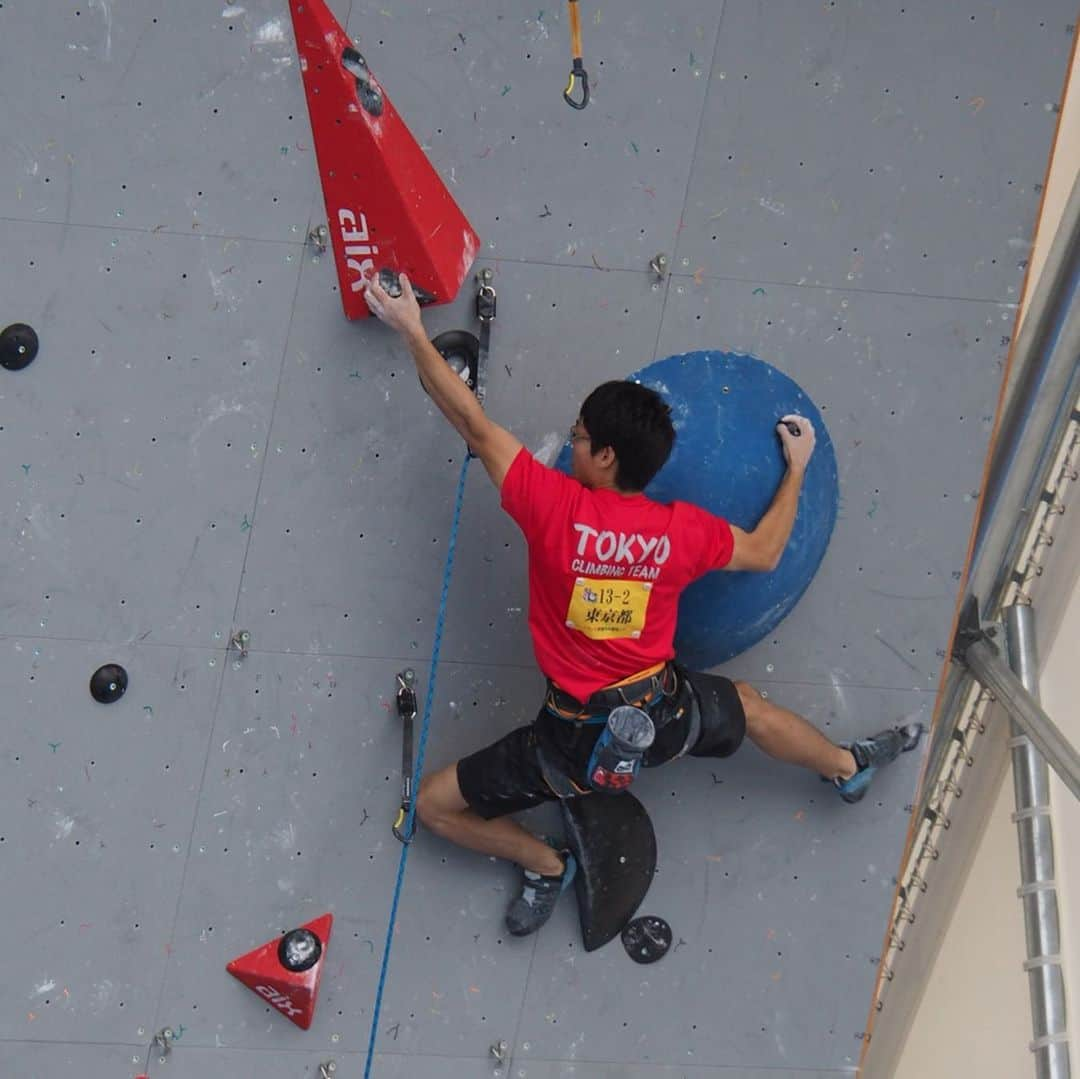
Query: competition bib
point(605, 609)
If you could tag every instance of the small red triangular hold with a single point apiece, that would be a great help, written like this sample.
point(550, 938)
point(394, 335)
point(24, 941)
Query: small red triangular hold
point(285, 971)
point(386, 206)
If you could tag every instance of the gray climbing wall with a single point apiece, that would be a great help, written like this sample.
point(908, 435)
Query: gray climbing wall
point(204, 444)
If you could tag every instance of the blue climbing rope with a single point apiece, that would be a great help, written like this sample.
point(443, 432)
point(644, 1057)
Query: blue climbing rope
point(418, 770)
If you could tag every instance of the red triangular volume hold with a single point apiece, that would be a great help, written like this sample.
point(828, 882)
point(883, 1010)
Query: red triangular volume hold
point(386, 206)
point(285, 971)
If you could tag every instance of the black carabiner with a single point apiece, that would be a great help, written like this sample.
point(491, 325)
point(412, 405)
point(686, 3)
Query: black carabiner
point(577, 72)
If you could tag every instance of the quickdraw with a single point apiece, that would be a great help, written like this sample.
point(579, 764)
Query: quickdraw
point(466, 353)
point(405, 824)
point(577, 71)
point(485, 312)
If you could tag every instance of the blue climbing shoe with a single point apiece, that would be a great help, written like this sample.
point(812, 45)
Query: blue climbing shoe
point(539, 894)
point(874, 753)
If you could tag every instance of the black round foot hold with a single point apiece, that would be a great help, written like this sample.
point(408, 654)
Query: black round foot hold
point(299, 950)
point(108, 683)
point(646, 939)
point(461, 350)
point(18, 346)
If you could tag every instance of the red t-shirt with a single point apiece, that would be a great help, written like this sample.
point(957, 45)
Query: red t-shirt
point(605, 573)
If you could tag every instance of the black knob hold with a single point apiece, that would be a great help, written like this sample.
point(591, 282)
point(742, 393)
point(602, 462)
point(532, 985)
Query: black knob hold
point(299, 950)
point(108, 683)
point(461, 350)
point(646, 939)
point(18, 346)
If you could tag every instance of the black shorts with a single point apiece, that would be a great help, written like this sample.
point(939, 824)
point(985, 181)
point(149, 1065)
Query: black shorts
point(507, 777)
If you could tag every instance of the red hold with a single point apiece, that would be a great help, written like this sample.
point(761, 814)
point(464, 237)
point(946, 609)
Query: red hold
point(286, 971)
point(386, 206)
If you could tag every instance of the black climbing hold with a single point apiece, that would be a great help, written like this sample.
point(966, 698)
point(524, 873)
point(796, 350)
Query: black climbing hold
point(461, 350)
point(391, 281)
point(369, 95)
point(647, 938)
point(299, 950)
point(614, 843)
point(793, 427)
point(108, 683)
point(18, 346)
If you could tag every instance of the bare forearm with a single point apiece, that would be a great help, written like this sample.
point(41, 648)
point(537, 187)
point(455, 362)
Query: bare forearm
point(774, 529)
point(453, 397)
point(494, 445)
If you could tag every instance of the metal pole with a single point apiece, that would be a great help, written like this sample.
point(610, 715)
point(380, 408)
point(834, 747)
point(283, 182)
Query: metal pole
point(990, 670)
point(1038, 886)
point(1045, 359)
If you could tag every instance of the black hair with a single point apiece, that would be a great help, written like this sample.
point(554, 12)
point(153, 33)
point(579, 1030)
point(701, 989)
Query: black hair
point(636, 423)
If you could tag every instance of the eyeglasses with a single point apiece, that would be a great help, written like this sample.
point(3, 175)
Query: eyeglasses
point(575, 436)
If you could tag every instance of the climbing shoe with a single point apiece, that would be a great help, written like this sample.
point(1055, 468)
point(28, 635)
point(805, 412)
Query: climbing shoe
point(539, 894)
point(873, 753)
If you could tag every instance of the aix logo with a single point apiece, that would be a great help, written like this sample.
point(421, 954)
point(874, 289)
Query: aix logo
point(279, 1000)
point(355, 237)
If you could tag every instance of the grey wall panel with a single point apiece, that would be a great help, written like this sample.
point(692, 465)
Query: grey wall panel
point(893, 147)
point(302, 1062)
point(357, 495)
point(537, 179)
point(99, 802)
point(907, 387)
point(30, 1060)
point(302, 785)
point(42, 1060)
point(135, 440)
point(156, 117)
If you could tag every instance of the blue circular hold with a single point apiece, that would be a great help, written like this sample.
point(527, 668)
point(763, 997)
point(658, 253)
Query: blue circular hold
point(728, 460)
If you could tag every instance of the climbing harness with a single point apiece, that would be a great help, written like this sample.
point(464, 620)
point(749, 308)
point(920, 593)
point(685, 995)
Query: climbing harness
point(633, 715)
point(405, 824)
point(577, 71)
